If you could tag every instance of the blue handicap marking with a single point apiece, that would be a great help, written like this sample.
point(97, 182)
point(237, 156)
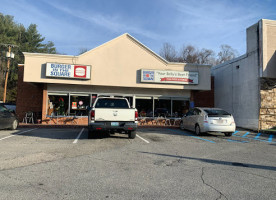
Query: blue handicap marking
point(235, 132)
point(258, 135)
point(190, 135)
point(270, 138)
point(246, 134)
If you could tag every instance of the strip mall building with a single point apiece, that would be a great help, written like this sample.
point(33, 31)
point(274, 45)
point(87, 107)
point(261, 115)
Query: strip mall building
point(62, 87)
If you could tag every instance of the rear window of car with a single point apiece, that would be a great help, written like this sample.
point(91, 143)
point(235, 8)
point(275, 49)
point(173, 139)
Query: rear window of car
point(216, 113)
point(111, 103)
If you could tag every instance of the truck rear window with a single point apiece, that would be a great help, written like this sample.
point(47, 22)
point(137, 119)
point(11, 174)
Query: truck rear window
point(111, 103)
point(216, 113)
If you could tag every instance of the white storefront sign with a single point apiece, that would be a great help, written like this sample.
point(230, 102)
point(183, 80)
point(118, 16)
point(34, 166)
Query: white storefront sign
point(171, 77)
point(68, 71)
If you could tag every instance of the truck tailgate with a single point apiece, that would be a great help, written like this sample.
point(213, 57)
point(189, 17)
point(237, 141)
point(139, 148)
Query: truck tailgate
point(116, 115)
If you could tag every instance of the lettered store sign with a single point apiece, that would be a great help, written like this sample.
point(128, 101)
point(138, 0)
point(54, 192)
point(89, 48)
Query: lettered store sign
point(169, 77)
point(59, 70)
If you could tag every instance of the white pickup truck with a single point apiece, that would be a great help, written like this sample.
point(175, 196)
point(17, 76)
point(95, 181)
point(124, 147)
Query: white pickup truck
point(112, 114)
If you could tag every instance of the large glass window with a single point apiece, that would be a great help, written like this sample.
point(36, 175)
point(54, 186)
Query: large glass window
point(57, 104)
point(162, 107)
point(180, 107)
point(144, 107)
point(79, 104)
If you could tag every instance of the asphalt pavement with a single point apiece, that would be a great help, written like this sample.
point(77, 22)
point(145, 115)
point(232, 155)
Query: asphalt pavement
point(158, 164)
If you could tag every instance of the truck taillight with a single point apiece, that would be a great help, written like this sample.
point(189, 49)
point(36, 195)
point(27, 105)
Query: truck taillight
point(136, 115)
point(92, 114)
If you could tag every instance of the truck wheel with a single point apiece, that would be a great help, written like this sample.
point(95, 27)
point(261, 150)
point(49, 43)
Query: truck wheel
point(131, 134)
point(92, 134)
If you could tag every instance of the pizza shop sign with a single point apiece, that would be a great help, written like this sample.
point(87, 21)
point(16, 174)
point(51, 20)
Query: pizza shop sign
point(171, 77)
point(68, 71)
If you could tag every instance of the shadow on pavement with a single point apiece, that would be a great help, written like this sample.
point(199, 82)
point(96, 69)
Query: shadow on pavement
point(218, 162)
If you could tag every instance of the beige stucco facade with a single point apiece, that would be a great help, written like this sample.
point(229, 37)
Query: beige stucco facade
point(116, 63)
point(115, 69)
point(268, 41)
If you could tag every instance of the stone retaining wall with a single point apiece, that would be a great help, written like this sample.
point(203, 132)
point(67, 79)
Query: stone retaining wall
point(268, 104)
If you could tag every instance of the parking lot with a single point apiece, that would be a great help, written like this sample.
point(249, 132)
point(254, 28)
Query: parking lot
point(160, 163)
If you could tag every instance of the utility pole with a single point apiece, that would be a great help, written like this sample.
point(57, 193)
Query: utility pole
point(7, 75)
point(9, 55)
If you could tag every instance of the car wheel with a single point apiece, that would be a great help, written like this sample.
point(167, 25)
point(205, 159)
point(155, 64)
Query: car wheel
point(14, 125)
point(181, 125)
point(92, 134)
point(197, 130)
point(228, 134)
point(131, 134)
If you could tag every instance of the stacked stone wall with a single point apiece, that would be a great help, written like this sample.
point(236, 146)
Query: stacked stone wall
point(268, 107)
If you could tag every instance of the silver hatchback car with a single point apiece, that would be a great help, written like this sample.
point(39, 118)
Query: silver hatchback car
point(202, 120)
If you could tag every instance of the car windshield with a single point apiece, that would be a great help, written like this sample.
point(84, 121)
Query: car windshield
point(111, 103)
point(216, 113)
point(3, 108)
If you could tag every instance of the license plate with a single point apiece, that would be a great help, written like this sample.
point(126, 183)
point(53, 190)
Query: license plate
point(114, 123)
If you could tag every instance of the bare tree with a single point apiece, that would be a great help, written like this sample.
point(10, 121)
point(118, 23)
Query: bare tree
point(206, 56)
point(191, 54)
point(168, 52)
point(226, 53)
point(83, 50)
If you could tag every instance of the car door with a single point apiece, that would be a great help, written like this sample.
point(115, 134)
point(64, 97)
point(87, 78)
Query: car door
point(4, 117)
point(194, 118)
point(187, 120)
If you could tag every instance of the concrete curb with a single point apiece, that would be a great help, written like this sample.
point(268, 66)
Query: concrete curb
point(272, 132)
point(80, 126)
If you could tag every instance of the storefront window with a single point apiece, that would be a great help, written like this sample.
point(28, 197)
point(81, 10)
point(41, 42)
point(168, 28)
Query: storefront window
point(162, 107)
point(79, 104)
point(57, 104)
point(180, 107)
point(144, 107)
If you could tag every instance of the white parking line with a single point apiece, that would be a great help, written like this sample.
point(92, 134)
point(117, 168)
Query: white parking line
point(142, 138)
point(17, 134)
point(76, 140)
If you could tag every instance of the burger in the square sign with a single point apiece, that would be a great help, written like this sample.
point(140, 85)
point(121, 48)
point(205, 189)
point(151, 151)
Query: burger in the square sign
point(68, 71)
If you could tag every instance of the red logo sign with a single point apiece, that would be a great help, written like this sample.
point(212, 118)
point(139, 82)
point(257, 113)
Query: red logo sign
point(79, 71)
point(177, 79)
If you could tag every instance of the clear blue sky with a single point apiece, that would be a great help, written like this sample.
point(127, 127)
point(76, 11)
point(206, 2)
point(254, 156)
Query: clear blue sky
point(76, 24)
